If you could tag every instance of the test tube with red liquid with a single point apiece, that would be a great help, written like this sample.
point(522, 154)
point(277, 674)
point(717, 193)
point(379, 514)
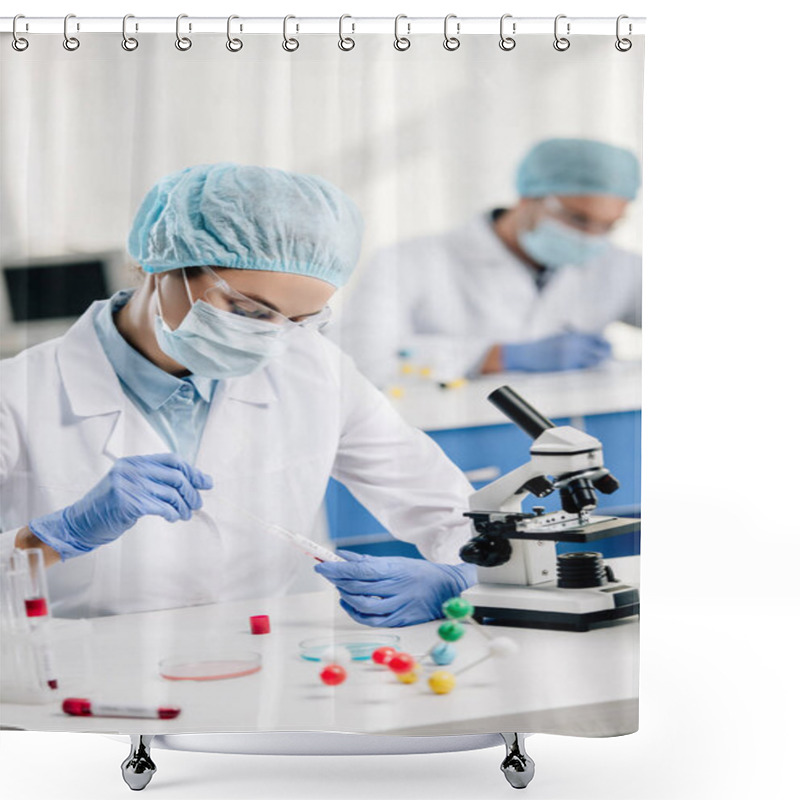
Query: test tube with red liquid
point(37, 607)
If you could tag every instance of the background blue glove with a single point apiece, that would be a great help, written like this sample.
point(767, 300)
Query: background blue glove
point(570, 350)
point(394, 590)
point(160, 484)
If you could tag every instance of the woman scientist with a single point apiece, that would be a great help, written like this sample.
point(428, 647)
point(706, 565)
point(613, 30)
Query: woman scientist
point(138, 448)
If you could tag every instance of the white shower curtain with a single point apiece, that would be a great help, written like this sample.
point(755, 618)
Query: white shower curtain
point(426, 142)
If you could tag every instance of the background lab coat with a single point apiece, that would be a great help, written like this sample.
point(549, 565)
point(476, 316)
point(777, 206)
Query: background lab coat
point(448, 298)
point(271, 441)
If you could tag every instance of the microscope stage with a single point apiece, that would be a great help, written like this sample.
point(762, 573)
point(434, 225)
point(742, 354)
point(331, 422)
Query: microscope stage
point(532, 526)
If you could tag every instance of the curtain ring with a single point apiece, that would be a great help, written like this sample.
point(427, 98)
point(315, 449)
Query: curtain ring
point(70, 42)
point(561, 43)
point(623, 45)
point(451, 42)
point(18, 42)
point(183, 43)
point(233, 45)
point(346, 43)
point(289, 45)
point(507, 42)
point(401, 43)
point(129, 43)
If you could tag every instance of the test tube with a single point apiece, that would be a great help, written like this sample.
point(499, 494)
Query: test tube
point(30, 563)
point(12, 609)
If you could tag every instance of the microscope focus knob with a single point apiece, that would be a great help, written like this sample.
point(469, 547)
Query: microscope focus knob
point(486, 550)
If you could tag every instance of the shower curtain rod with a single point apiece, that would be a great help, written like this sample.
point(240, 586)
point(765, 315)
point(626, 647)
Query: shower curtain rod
point(350, 24)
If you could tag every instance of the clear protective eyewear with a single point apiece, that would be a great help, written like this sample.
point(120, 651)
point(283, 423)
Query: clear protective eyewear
point(557, 210)
point(223, 296)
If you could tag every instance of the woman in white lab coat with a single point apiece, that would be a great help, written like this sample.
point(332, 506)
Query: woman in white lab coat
point(139, 449)
point(526, 288)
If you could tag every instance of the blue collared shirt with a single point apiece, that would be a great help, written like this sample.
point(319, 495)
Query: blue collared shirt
point(176, 407)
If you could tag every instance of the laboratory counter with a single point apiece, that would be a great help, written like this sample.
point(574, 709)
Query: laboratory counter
point(576, 683)
point(612, 388)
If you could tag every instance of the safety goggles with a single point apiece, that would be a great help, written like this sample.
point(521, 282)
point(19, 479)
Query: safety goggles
point(556, 209)
point(223, 296)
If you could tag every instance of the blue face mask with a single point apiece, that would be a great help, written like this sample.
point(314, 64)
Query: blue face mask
point(553, 244)
point(216, 343)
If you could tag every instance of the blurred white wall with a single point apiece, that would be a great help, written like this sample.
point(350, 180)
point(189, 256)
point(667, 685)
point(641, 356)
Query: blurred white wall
point(420, 139)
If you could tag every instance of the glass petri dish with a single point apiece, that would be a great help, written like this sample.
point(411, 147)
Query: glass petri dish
point(209, 667)
point(359, 645)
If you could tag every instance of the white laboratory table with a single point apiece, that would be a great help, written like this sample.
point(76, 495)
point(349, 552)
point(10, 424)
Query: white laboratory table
point(561, 682)
point(613, 387)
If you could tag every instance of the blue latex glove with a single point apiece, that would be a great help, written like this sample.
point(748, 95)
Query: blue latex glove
point(135, 486)
point(394, 591)
point(569, 350)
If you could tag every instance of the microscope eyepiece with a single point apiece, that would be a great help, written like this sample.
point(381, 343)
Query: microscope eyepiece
point(520, 412)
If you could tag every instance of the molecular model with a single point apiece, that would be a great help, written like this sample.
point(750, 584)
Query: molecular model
point(406, 667)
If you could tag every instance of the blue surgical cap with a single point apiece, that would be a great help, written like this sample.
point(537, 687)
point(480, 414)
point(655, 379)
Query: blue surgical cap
point(576, 167)
point(247, 217)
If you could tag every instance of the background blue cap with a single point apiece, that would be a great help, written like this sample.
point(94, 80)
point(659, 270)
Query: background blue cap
point(578, 167)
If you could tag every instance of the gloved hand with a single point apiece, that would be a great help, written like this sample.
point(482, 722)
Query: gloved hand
point(392, 591)
point(570, 350)
point(160, 484)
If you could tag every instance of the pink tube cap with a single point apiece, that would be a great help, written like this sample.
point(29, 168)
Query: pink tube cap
point(77, 706)
point(259, 623)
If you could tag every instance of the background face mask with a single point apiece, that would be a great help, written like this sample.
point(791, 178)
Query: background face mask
point(554, 244)
point(216, 343)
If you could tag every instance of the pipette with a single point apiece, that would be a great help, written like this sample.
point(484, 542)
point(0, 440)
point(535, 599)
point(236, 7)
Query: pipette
point(308, 546)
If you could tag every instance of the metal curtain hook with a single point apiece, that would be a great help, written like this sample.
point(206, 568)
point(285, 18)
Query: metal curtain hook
point(182, 42)
point(18, 42)
point(507, 42)
point(234, 45)
point(623, 45)
point(561, 43)
point(451, 42)
point(70, 42)
point(401, 42)
point(346, 42)
point(289, 44)
point(129, 43)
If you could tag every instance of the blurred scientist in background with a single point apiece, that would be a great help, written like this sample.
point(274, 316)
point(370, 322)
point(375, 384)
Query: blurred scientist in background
point(210, 385)
point(526, 288)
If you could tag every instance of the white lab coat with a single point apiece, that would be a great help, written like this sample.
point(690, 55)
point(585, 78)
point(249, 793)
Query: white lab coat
point(271, 441)
point(448, 298)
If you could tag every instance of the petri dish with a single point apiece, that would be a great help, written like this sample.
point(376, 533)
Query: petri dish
point(210, 667)
point(359, 645)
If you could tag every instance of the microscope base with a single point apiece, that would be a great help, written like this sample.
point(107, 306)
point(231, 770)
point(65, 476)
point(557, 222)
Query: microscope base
point(552, 608)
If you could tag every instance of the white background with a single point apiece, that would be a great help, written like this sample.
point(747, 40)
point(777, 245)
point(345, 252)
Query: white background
point(721, 569)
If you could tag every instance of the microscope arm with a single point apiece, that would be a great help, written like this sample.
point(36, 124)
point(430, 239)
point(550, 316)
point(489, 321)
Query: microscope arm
point(508, 491)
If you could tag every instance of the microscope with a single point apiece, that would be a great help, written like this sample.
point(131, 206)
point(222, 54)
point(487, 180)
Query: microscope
point(521, 581)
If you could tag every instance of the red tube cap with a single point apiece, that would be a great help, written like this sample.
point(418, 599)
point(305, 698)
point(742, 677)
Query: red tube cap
point(36, 607)
point(77, 706)
point(259, 623)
